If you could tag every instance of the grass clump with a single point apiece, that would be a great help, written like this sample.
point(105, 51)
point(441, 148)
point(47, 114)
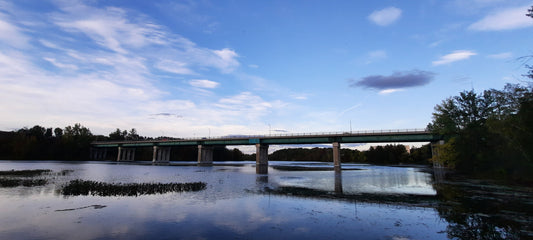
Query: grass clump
point(25, 173)
point(22, 182)
point(82, 187)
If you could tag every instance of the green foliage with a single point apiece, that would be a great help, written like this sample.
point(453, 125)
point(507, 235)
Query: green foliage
point(487, 134)
point(388, 154)
point(39, 143)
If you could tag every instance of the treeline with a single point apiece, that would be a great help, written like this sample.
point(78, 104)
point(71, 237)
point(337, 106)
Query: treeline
point(74, 143)
point(39, 143)
point(388, 154)
point(489, 134)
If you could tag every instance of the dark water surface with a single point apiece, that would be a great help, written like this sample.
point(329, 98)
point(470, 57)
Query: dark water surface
point(292, 201)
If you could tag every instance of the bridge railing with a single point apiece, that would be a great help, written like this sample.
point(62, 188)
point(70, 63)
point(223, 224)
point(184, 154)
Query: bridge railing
point(311, 134)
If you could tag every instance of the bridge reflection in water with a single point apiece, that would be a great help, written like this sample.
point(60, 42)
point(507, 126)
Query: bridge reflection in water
point(162, 148)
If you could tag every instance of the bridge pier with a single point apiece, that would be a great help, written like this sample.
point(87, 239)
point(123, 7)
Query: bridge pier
point(261, 158)
point(205, 155)
point(435, 153)
point(336, 156)
point(125, 154)
point(161, 154)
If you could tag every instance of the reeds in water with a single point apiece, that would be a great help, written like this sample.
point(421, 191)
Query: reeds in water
point(82, 187)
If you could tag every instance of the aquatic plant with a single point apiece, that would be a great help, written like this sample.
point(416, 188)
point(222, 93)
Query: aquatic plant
point(22, 182)
point(25, 173)
point(82, 187)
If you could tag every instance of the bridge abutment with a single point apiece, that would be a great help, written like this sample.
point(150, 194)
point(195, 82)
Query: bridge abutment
point(261, 158)
point(205, 155)
point(161, 154)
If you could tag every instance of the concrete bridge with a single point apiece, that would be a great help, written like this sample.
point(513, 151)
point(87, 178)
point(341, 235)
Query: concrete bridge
point(161, 148)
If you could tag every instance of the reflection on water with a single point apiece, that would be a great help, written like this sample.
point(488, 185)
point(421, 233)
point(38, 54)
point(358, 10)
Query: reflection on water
point(366, 202)
point(482, 211)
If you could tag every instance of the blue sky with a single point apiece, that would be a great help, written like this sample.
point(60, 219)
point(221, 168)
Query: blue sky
point(214, 68)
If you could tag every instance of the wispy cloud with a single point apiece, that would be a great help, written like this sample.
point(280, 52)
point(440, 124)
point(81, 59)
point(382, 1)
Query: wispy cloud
point(394, 82)
point(386, 16)
point(109, 28)
point(11, 34)
point(389, 91)
point(203, 83)
point(300, 96)
point(376, 56)
point(454, 57)
point(103, 66)
point(176, 67)
point(61, 65)
point(504, 19)
point(504, 55)
point(350, 109)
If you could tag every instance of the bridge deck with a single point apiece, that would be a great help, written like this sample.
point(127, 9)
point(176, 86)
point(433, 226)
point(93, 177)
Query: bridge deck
point(413, 135)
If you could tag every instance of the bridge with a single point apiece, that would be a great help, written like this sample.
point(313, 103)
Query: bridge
point(161, 148)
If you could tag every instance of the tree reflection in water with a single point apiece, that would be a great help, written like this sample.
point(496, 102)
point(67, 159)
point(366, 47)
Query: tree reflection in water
point(476, 210)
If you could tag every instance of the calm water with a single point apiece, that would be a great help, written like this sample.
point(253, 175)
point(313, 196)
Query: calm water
point(361, 202)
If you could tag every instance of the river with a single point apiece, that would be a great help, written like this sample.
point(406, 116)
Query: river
point(295, 200)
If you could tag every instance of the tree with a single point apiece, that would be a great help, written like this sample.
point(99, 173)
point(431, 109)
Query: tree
point(58, 132)
point(132, 135)
point(488, 133)
point(76, 142)
point(118, 135)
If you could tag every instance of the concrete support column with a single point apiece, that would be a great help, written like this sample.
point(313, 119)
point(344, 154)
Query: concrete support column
point(261, 158)
point(119, 154)
point(435, 153)
point(205, 155)
point(336, 156)
point(438, 170)
point(154, 154)
point(167, 154)
point(161, 154)
point(125, 154)
point(98, 153)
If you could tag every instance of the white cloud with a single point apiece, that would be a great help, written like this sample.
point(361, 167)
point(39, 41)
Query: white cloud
point(109, 27)
point(246, 106)
point(504, 55)
point(300, 96)
point(389, 91)
point(385, 16)
point(506, 19)
point(10, 34)
point(202, 83)
point(227, 59)
point(454, 56)
point(108, 69)
point(61, 65)
point(176, 67)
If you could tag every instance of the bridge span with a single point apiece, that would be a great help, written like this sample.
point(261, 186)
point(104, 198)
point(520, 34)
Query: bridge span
point(161, 148)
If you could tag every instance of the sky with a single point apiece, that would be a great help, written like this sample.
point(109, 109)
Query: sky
point(214, 68)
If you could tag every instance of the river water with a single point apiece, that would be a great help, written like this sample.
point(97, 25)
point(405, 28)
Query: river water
point(295, 200)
